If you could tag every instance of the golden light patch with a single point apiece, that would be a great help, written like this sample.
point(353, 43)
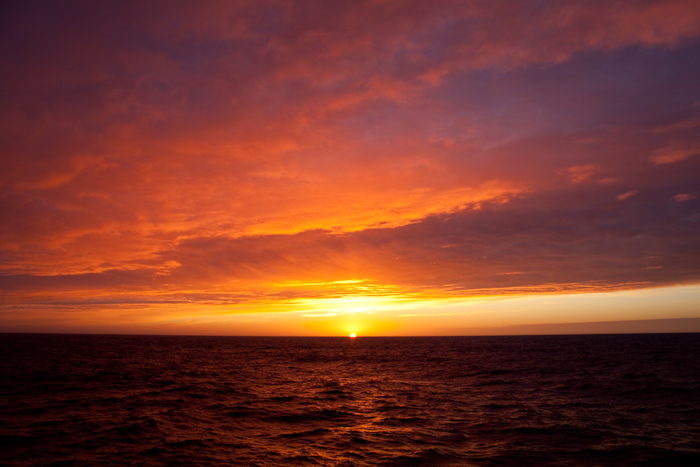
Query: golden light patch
point(347, 326)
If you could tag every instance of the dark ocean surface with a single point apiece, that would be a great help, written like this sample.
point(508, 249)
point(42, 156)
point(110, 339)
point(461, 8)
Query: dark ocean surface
point(80, 400)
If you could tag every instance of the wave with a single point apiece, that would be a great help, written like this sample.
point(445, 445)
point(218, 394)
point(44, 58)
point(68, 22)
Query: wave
point(139, 400)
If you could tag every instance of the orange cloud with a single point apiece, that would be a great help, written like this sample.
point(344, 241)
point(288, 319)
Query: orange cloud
point(214, 159)
point(582, 173)
point(673, 153)
point(627, 195)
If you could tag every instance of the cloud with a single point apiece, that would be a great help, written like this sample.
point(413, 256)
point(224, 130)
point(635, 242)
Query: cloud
point(684, 197)
point(178, 154)
point(581, 173)
point(627, 195)
point(552, 244)
point(674, 153)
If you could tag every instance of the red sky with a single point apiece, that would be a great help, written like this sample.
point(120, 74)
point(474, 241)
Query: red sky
point(278, 167)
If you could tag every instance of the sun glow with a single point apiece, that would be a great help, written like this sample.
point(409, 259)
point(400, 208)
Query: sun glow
point(353, 335)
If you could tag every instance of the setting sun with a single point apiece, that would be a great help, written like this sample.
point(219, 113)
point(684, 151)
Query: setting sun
point(353, 335)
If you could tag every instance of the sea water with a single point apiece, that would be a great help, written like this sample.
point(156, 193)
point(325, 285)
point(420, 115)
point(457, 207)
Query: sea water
point(93, 400)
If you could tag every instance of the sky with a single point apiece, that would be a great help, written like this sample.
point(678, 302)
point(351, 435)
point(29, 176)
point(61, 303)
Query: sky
point(371, 166)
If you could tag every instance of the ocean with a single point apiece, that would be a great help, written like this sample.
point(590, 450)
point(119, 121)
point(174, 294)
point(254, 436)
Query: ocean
point(107, 400)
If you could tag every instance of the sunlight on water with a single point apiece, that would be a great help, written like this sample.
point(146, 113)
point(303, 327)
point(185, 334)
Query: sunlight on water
point(216, 401)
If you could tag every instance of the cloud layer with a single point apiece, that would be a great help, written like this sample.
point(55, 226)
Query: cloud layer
point(173, 153)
